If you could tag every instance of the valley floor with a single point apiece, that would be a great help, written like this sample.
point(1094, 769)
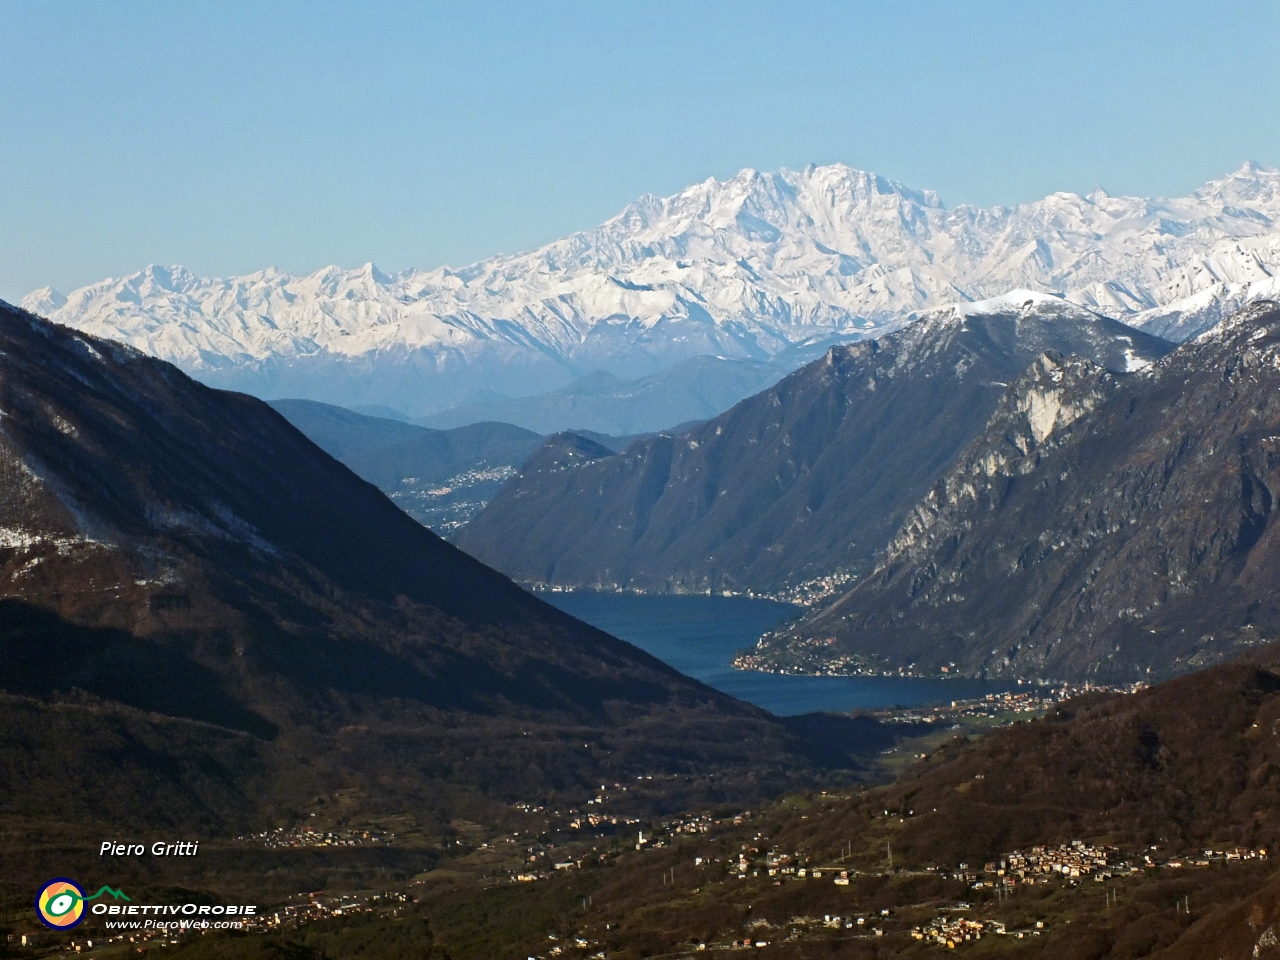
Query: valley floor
point(778, 880)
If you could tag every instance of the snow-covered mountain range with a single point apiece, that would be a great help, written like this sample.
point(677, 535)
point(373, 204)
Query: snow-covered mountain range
point(752, 267)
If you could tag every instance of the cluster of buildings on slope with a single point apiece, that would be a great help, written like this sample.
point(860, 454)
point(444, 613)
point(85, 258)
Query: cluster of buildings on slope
point(1026, 699)
point(304, 836)
point(1071, 862)
point(576, 943)
point(317, 906)
point(781, 866)
point(538, 861)
point(819, 657)
point(1067, 861)
point(803, 594)
point(596, 821)
point(1081, 861)
point(668, 831)
point(801, 928)
point(591, 814)
point(813, 591)
point(1208, 858)
point(451, 505)
point(812, 657)
point(696, 824)
point(952, 931)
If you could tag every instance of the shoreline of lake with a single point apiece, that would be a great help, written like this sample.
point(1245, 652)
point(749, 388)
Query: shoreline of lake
point(699, 635)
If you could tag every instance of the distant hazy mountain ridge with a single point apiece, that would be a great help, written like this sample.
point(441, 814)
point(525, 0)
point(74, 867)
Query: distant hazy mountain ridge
point(694, 389)
point(441, 478)
point(745, 268)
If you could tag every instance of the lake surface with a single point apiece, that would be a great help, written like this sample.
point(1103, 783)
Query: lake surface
point(700, 635)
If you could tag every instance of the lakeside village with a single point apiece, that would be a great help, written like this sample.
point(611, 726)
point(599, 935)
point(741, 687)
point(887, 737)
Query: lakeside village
point(813, 657)
point(1029, 697)
point(1007, 704)
point(804, 594)
point(457, 513)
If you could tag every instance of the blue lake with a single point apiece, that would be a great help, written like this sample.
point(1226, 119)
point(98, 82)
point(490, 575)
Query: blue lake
point(700, 635)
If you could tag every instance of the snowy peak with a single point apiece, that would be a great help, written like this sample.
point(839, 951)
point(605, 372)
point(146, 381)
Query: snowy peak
point(1025, 323)
point(1042, 310)
point(834, 194)
point(1253, 185)
point(44, 301)
point(745, 268)
point(1024, 301)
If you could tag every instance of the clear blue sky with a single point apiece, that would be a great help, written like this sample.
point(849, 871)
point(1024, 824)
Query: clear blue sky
point(230, 136)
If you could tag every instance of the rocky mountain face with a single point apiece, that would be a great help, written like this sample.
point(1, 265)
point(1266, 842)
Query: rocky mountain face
point(747, 268)
point(208, 619)
point(1103, 525)
point(441, 478)
point(797, 487)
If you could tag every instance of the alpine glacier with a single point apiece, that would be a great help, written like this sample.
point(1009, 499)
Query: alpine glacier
point(751, 267)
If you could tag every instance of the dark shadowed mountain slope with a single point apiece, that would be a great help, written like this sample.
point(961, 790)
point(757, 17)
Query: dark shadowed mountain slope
point(441, 478)
point(173, 555)
point(1188, 763)
point(1102, 526)
point(806, 479)
point(105, 451)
